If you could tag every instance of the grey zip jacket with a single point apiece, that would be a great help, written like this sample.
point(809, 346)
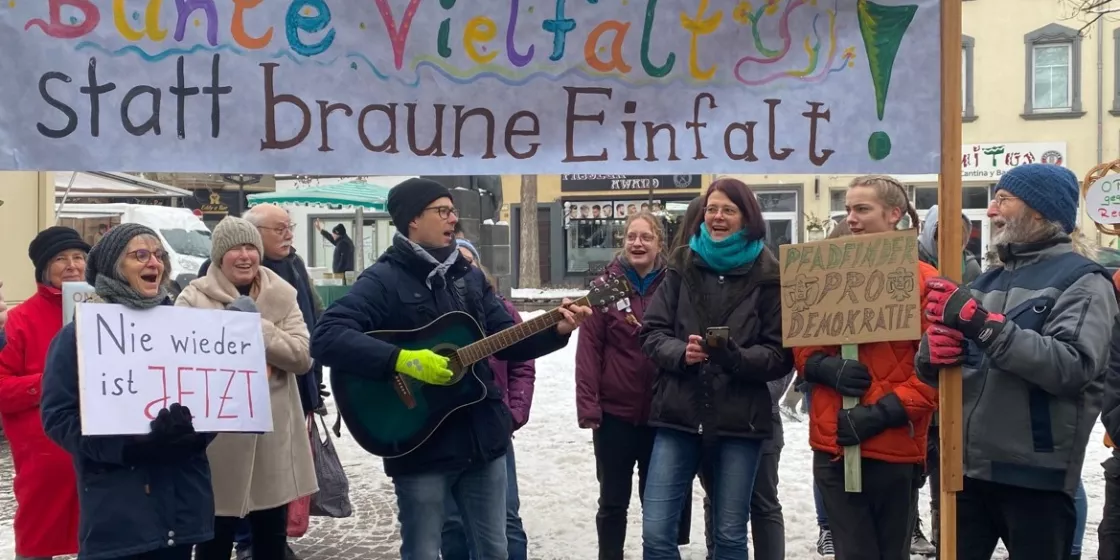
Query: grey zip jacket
point(1031, 398)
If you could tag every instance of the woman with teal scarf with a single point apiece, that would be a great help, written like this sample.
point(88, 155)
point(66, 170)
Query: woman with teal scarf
point(711, 405)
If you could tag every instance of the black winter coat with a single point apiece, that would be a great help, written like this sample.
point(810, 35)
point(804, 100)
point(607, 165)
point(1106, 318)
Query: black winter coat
point(126, 509)
point(343, 260)
point(392, 295)
point(705, 398)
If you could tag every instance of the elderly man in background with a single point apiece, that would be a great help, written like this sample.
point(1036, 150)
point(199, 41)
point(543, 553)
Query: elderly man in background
point(276, 229)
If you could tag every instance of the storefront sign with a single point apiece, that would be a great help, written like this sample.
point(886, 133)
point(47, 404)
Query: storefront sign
point(583, 183)
point(990, 161)
point(392, 86)
point(851, 290)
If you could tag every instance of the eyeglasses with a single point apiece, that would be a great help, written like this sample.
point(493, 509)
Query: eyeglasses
point(445, 212)
point(142, 256)
point(729, 211)
point(999, 199)
point(281, 230)
point(645, 237)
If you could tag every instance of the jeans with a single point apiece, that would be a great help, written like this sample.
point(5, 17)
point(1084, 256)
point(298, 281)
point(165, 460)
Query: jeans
point(243, 538)
point(458, 546)
point(1081, 506)
point(818, 501)
point(767, 532)
point(676, 458)
point(478, 492)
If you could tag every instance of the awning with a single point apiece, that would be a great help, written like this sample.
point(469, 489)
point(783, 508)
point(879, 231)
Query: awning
point(356, 194)
point(100, 184)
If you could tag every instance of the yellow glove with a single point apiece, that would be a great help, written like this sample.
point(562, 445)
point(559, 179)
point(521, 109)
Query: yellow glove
point(424, 365)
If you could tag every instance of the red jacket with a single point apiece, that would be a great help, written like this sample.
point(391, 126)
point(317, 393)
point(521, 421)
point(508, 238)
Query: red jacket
point(46, 520)
point(613, 376)
point(891, 365)
point(516, 379)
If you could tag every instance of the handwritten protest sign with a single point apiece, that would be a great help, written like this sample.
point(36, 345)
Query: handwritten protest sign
point(133, 363)
point(1102, 200)
point(851, 290)
point(515, 86)
point(74, 293)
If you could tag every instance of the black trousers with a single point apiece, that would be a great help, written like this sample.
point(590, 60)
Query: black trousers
point(269, 528)
point(875, 524)
point(1109, 530)
point(619, 446)
point(182, 552)
point(1033, 524)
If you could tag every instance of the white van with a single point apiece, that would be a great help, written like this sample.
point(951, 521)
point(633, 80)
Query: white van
point(184, 236)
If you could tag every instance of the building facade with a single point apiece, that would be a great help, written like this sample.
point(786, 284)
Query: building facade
point(1041, 86)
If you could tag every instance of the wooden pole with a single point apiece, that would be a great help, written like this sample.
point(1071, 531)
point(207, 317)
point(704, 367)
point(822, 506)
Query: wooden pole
point(949, 249)
point(853, 462)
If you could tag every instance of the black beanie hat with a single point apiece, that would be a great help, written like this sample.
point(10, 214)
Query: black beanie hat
point(49, 243)
point(408, 200)
point(339, 230)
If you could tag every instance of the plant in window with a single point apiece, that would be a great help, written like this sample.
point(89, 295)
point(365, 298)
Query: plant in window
point(813, 223)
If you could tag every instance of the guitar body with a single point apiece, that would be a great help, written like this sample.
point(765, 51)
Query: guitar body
point(375, 412)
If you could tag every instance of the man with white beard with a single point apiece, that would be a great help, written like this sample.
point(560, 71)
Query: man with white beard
point(1033, 337)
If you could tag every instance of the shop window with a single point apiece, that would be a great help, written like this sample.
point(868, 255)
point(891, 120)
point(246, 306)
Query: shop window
point(971, 198)
point(595, 230)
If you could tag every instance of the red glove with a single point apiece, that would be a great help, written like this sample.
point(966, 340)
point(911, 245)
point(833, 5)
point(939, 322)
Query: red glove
point(946, 346)
point(953, 306)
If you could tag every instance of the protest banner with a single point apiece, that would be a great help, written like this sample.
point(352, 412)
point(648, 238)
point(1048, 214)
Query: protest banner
point(851, 290)
point(132, 364)
point(391, 86)
point(848, 291)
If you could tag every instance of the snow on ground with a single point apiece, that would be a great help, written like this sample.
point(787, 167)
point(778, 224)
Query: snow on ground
point(551, 293)
point(556, 471)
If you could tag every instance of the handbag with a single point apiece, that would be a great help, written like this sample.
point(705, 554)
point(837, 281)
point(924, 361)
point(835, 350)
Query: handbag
point(333, 497)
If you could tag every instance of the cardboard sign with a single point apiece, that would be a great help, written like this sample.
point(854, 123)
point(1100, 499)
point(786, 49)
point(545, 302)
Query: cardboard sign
point(851, 290)
point(387, 87)
point(132, 364)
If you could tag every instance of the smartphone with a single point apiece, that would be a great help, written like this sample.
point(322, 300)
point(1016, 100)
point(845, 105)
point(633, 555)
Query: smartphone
point(717, 336)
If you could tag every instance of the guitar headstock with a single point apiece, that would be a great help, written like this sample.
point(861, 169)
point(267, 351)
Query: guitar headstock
point(608, 290)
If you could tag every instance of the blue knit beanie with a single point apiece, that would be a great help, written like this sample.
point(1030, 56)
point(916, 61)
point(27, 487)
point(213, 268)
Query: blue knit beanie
point(470, 247)
point(1051, 190)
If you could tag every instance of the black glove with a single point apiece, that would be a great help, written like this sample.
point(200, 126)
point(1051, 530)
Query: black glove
point(726, 355)
point(848, 377)
point(172, 438)
point(855, 425)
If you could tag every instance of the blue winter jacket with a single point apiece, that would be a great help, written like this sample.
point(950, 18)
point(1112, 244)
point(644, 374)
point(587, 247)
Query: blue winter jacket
point(393, 295)
point(125, 509)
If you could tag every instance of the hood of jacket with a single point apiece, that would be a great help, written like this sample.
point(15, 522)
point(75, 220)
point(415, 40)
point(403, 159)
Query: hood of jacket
point(643, 286)
point(927, 236)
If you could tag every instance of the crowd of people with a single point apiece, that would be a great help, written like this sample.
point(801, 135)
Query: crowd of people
point(661, 389)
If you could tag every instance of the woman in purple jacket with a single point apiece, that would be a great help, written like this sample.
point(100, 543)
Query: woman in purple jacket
point(614, 385)
point(515, 379)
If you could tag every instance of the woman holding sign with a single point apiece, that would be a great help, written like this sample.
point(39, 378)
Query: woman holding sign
point(46, 520)
point(713, 329)
point(892, 420)
point(142, 497)
point(258, 475)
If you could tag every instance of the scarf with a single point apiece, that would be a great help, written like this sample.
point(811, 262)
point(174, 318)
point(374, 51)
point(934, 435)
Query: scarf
point(441, 257)
point(115, 291)
point(726, 255)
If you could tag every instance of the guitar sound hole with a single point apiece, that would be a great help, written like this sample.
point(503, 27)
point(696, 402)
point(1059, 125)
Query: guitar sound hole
point(453, 363)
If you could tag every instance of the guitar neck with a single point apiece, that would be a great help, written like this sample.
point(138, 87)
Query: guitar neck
point(478, 351)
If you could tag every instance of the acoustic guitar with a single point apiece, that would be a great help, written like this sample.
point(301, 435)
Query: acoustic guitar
point(392, 418)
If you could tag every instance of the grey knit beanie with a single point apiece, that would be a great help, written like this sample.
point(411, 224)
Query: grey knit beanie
point(232, 232)
point(103, 257)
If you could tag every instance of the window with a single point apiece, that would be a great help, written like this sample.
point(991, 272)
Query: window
point(595, 230)
point(1053, 70)
point(968, 108)
point(975, 198)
